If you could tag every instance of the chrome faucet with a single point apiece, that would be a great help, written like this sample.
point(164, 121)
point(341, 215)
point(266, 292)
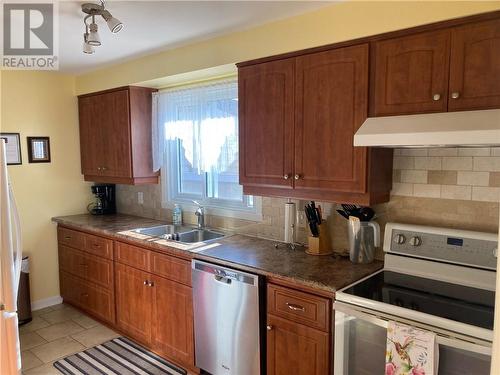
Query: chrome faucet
point(200, 214)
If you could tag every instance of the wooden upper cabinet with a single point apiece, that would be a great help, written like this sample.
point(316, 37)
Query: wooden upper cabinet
point(410, 74)
point(475, 66)
point(115, 136)
point(298, 117)
point(266, 116)
point(331, 104)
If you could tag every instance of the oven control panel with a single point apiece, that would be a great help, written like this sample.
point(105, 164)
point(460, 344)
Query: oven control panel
point(476, 249)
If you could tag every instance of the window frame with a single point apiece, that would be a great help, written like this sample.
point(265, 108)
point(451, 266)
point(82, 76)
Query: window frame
point(214, 206)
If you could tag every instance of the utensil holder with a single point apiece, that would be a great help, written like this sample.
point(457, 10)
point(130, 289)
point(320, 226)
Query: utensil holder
point(320, 245)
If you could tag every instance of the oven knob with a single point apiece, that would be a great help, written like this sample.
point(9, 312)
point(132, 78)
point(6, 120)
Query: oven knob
point(415, 241)
point(399, 239)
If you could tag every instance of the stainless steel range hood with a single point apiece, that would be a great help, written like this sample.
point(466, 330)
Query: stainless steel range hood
point(450, 129)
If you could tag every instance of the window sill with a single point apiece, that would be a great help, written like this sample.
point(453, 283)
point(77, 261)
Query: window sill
point(219, 211)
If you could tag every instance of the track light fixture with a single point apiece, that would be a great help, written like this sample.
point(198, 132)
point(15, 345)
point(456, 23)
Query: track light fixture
point(91, 37)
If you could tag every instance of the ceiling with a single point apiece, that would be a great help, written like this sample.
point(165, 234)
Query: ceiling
point(152, 26)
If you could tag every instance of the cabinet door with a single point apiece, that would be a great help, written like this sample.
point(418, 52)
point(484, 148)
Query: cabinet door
point(410, 74)
point(475, 67)
point(293, 348)
point(172, 314)
point(133, 302)
point(116, 150)
point(331, 104)
point(90, 135)
point(265, 93)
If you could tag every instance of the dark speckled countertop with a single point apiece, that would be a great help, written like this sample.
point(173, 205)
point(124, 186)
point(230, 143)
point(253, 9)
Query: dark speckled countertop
point(246, 253)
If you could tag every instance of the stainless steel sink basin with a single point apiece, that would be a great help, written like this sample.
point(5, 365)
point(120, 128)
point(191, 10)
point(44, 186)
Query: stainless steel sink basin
point(199, 235)
point(180, 233)
point(162, 230)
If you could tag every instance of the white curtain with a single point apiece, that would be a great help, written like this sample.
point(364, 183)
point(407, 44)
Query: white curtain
point(202, 114)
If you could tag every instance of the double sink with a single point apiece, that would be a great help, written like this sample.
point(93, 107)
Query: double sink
point(180, 233)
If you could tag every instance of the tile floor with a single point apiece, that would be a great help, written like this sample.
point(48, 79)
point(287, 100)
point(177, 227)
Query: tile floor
point(56, 332)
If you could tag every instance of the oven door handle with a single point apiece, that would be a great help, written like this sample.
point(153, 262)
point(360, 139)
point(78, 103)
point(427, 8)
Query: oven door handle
point(382, 321)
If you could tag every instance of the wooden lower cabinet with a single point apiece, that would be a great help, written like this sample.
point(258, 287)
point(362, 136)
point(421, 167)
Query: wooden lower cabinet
point(92, 298)
point(294, 348)
point(133, 302)
point(156, 312)
point(172, 320)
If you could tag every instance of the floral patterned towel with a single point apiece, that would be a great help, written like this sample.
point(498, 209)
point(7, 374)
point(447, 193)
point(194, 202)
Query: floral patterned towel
point(410, 351)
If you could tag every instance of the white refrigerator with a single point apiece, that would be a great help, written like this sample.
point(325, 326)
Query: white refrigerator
point(10, 268)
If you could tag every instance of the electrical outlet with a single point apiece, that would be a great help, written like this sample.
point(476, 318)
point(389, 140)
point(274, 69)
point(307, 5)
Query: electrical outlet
point(140, 197)
point(301, 219)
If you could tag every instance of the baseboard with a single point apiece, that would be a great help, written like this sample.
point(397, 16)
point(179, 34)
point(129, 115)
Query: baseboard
point(46, 302)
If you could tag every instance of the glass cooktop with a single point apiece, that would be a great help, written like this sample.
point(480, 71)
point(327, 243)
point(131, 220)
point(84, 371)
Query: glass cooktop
point(451, 301)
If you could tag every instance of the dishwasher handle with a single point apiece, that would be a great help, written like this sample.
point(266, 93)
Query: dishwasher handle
point(225, 275)
point(222, 279)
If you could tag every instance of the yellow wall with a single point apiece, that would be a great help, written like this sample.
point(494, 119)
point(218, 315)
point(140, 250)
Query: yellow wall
point(44, 104)
point(344, 21)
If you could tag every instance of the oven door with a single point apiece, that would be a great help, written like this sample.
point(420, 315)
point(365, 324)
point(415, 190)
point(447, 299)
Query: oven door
point(360, 344)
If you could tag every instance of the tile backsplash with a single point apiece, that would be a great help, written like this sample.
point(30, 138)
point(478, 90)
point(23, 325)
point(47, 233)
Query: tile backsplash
point(448, 187)
point(448, 173)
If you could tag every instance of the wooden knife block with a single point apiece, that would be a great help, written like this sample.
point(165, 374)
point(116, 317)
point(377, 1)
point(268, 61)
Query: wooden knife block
point(320, 245)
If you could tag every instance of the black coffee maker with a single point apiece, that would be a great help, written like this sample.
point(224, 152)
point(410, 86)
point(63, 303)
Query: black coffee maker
point(105, 203)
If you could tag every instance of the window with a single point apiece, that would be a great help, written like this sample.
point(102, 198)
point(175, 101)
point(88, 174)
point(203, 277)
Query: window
point(200, 127)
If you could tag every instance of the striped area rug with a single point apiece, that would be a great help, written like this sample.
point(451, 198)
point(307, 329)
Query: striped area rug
point(119, 356)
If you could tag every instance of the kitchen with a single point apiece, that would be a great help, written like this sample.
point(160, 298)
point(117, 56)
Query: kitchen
point(132, 276)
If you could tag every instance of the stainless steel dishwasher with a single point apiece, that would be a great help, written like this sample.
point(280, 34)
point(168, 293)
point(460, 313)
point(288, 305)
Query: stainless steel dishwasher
point(227, 320)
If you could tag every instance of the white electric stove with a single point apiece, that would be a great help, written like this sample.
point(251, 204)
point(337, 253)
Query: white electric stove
point(441, 280)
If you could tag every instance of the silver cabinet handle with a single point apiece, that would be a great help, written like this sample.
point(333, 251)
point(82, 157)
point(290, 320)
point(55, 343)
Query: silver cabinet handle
point(99, 168)
point(285, 177)
point(297, 176)
point(455, 95)
point(436, 97)
point(146, 282)
point(151, 284)
point(295, 307)
point(269, 328)
point(104, 168)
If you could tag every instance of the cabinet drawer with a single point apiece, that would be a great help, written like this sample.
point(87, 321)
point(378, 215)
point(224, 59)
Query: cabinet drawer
point(89, 267)
point(99, 246)
point(71, 238)
point(71, 261)
point(134, 256)
point(172, 268)
point(300, 307)
point(89, 297)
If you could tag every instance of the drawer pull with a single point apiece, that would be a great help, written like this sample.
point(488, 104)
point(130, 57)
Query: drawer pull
point(67, 237)
point(96, 245)
point(85, 295)
point(146, 282)
point(269, 327)
point(151, 283)
point(295, 307)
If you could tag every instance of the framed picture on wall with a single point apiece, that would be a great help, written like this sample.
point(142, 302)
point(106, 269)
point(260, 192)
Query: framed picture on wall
point(12, 148)
point(38, 149)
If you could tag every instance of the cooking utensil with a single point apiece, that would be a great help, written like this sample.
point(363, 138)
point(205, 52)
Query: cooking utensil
point(366, 213)
point(343, 214)
point(351, 209)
